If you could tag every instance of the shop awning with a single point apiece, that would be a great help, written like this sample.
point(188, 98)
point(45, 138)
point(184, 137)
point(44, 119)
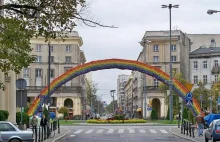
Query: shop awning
point(139, 109)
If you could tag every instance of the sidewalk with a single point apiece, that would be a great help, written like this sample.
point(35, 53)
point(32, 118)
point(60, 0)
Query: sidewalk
point(177, 132)
point(58, 136)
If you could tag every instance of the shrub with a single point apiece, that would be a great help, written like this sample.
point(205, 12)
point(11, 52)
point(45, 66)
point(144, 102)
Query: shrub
point(116, 121)
point(64, 111)
point(25, 118)
point(168, 113)
point(185, 114)
point(4, 115)
point(119, 117)
point(153, 115)
point(77, 117)
point(45, 112)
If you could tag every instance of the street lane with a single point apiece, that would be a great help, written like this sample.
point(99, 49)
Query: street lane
point(121, 134)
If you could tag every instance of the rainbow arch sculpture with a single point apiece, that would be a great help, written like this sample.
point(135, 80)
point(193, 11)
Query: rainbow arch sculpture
point(181, 89)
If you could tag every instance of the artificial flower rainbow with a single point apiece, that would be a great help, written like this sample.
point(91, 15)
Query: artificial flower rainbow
point(112, 64)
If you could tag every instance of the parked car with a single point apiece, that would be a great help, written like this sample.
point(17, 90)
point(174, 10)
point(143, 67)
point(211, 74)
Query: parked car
point(10, 133)
point(213, 132)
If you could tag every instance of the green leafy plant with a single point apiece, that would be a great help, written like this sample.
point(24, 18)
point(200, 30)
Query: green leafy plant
point(64, 111)
point(119, 117)
point(25, 118)
point(185, 114)
point(154, 115)
point(5, 114)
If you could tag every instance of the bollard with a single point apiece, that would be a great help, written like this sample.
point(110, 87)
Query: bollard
point(193, 128)
point(190, 129)
point(39, 134)
point(58, 126)
point(187, 128)
point(181, 128)
point(179, 120)
point(35, 130)
point(184, 127)
point(42, 134)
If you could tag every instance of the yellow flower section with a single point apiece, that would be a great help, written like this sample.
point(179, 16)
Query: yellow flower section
point(100, 121)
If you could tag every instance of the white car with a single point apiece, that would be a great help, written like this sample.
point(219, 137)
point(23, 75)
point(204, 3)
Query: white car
point(10, 133)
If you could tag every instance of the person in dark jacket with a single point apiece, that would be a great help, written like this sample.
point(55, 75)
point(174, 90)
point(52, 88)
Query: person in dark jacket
point(43, 124)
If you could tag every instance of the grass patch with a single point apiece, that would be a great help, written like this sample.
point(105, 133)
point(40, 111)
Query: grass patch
point(68, 122)
point(163, 121)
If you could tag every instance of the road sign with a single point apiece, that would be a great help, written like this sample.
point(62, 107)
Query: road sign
point(189, 102)
point(21, 83)
point(189, 95)
point(149, 109)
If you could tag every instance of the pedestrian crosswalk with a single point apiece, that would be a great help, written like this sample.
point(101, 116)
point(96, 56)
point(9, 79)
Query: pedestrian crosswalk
point(120, 131)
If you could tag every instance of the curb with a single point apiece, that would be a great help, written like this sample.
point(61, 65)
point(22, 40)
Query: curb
point(60, 137)
point(190, 139)
point(125, 125)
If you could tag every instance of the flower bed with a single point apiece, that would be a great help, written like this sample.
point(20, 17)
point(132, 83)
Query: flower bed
point(100, 121)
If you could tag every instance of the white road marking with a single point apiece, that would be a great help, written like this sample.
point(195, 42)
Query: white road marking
point(164, 131)
point(121, 131)
point(131, 130)
point(100, 131)
point(142, 131)
point(78, 131)
point(72, 135)
point(152, 131)
point(89, 131)
point(110, 131)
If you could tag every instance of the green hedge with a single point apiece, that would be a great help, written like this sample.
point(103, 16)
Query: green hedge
point(25, 118)
point(4, 115)
point(119, 117)
point(116, 121)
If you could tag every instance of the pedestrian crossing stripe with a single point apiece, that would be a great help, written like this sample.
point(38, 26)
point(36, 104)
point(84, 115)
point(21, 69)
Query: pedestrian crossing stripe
point(120, 131)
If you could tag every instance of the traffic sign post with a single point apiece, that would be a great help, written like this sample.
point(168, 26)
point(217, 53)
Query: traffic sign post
point(21, 84)
point(189, 102)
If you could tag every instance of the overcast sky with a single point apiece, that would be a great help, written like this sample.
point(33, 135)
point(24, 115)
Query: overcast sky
point(133, 18)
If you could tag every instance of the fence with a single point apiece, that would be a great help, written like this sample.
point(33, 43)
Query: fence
point(47, 132)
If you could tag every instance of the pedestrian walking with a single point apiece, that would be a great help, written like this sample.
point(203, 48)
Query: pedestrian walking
point(200, 122)
point(43, 124)
point(34, 123)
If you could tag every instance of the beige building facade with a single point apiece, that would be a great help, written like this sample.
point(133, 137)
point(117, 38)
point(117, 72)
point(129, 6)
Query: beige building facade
point(64, 56)
point(157, 53)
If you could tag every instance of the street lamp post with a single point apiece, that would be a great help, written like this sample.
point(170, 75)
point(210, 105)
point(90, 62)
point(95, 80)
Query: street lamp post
point(49, 64)
point(170, 6)
point(143, 43)
point(210, 12)
point(113, 96)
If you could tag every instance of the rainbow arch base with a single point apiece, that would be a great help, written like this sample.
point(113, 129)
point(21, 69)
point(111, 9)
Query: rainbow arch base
point(160, 75)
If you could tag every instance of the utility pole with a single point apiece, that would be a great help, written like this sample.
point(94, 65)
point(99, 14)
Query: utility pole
point(48, 81)
point(113, 96)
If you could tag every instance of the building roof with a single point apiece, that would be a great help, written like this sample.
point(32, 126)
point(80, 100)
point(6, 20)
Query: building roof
point(209, 50)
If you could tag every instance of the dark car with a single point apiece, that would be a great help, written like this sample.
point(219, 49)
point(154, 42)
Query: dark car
point(213, 132)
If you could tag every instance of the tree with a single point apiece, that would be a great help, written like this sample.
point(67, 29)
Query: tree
point(33, 18)
point(202, 94)
point(91, 92)
point(163, 87)
point(185, 114)
point(109, 108)
point(64, 111)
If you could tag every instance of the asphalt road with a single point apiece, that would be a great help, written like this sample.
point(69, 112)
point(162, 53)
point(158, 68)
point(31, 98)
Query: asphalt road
point(121, 134)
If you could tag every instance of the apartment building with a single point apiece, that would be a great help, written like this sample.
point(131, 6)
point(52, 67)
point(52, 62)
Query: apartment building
point(121, 81)
point(128, 89)
point(158, 55)
point(64, 56)
point(204, 64)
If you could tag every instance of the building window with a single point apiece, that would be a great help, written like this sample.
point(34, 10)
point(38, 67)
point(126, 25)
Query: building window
point(216, 77)
point(173, 58)
point(173, 47)
point(216, 63)
point(51, 59)
point(38, 72)
point(26, 72)
point(39, 59)
point(156, 83)
point(52, 73)
point(195, 65)
point(156, 48)
point(68, 48)
point(68, 59)
point(205, 64)
point(195, 79)
point(38, 48)
point(205, 79)
point(212, 42)
point(156, 58)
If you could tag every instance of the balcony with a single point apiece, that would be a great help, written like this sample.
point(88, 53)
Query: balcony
point(63, 89)
point(152, 88)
